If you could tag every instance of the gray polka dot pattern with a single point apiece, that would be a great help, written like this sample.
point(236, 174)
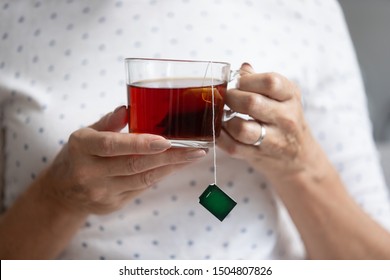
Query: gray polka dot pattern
point(61, 68)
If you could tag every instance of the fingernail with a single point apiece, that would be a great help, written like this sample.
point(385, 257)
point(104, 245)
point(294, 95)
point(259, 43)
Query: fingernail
point(160, 145)
point(246, 68)
point(118, 108)
point(195, 154)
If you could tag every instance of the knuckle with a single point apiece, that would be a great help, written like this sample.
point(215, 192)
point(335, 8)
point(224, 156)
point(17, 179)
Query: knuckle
point(75, 139)
point(272, 82)
point(148, 178)
point(80, 177)
point(253, 102)
point(286, 146)
point(291, 147)
point(278, 148)
point(288, 123)
point(97, 195)
point(231, 150)
point(102, 201)
point(107, 145)
point(134, 165)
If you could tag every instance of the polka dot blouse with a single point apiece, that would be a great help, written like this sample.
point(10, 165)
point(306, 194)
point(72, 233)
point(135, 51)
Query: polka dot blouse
point(62, 68)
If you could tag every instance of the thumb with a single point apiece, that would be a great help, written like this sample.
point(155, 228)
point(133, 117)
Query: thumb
point(113, 121)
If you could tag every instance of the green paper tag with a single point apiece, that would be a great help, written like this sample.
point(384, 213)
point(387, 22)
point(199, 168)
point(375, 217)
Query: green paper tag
point(217, 202)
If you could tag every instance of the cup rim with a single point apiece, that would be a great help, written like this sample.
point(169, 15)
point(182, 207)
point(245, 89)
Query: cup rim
point(175, 60)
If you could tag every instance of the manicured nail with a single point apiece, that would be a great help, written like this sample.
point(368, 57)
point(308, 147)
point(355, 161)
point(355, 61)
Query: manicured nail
point(118, 108)
point(195, 154)
point(160, 145)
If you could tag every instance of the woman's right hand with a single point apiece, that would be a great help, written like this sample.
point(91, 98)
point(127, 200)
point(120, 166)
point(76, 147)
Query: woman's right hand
point(99, 169)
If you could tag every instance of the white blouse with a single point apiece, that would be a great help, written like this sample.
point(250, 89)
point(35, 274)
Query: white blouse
point(62, 68)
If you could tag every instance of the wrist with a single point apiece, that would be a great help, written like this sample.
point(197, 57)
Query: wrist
point(37, 226)
point(311, 169)
point(45, 190)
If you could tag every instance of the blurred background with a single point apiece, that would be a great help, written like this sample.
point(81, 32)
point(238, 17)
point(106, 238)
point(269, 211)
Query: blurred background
point(369, 25)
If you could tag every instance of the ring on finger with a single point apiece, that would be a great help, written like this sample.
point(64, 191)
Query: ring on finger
point(262, 135)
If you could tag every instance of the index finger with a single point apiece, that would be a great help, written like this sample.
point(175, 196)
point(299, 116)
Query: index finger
point(258, 106)
point(272, 85)
point(106, 143)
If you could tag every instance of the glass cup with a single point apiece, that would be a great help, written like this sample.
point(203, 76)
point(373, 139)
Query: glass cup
point(181, 100)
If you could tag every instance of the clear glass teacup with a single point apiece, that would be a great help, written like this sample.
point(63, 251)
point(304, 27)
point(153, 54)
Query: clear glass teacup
point(181, 100)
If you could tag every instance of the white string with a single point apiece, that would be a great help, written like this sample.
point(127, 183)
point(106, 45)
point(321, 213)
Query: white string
point(213, 124)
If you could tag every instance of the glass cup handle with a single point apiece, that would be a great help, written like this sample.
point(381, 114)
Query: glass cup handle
point(234, 75)
point(228, 113)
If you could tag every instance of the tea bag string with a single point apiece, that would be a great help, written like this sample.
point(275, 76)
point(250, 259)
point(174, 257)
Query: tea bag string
point(210, 65)
point(213, 124)
point(213, 198)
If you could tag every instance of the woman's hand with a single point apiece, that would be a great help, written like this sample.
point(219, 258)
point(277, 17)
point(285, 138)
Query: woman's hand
point(273, 102)
point(331, 224)
point(99, 169)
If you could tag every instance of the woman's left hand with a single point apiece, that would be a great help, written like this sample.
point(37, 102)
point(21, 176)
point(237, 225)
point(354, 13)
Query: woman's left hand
point(275, 105)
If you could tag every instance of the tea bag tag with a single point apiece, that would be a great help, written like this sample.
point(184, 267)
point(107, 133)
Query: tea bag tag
point(217, 202)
